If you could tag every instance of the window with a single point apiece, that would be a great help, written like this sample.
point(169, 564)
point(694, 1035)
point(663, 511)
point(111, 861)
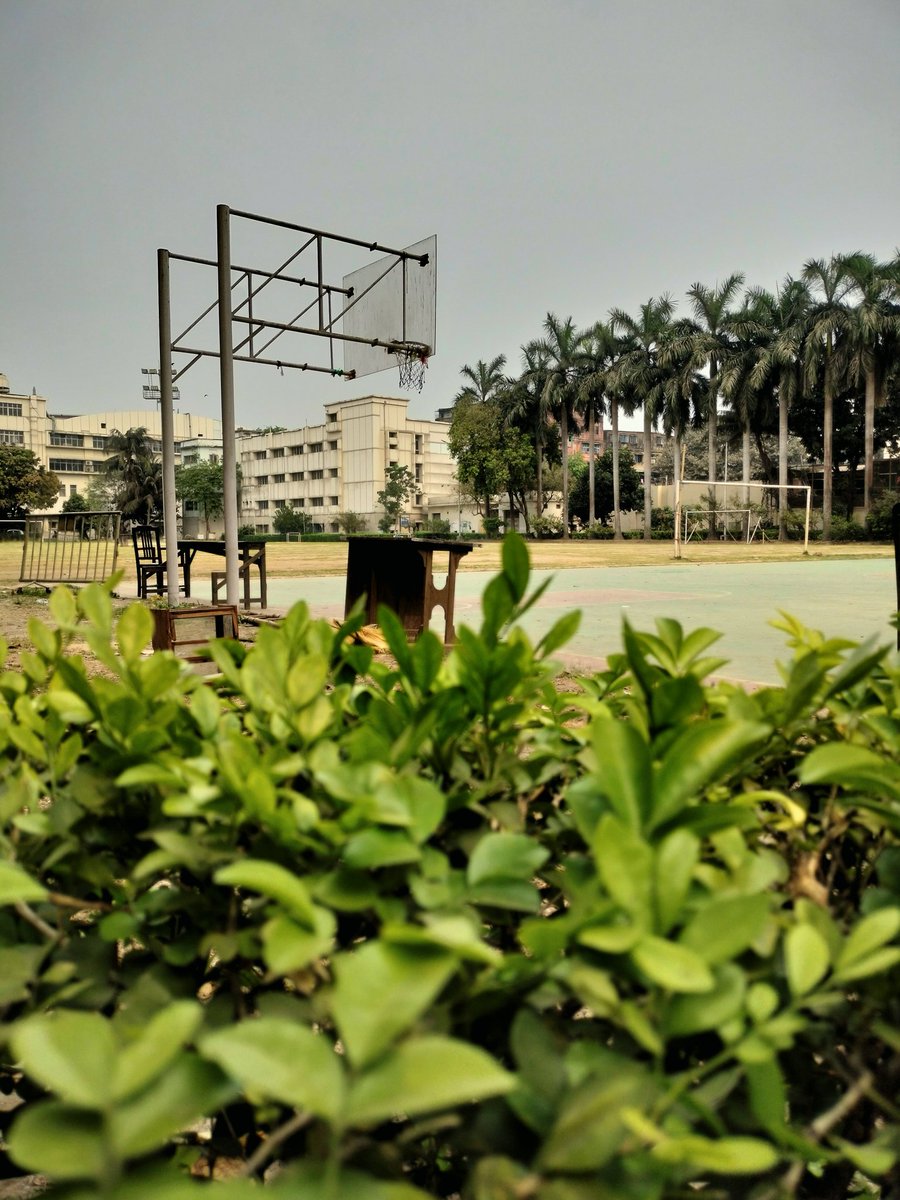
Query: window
point(334, 501)
point(418, 472)
point(262, 528)
point(8, 409)
point(99, 443)
point(263, 505)
point(295, 449)
point(261, 479)
point(315, 447)
point(12, 437)
point(278, 452)
point(61, 465)
point(418, 498)
point(418, 443)
point(332, 472)
point(332, 445)
point(296, 476)
point(258, 454)
point(191, 506)
point(278, 478)
point(317, 474)
point(299, 502)
point(318, 501)
point(214, 458)
point(190, 459)
point(73, 489)
point(331, 418)
point(66, 439)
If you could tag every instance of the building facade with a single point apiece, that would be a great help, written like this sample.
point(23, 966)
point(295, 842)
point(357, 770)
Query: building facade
point(75, 448)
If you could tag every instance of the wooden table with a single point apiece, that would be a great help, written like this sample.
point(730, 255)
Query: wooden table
point(252, 554)
point(398, 572)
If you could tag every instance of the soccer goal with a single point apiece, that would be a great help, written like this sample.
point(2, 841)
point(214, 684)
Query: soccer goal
point(737, 511)
point(293, 537)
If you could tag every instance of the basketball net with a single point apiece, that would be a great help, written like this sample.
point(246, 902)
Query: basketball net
point(412, 362)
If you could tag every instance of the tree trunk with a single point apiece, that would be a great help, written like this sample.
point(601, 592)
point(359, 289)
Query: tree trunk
point(539, 443)
point(869, 468)
point(782, 465)
point(648, 474)
point(617, 490)
point(564, 437)
point(592, 511)
point(827, 445)
point(711, 473)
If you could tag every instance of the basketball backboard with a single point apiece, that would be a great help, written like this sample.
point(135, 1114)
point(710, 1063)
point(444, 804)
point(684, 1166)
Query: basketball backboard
point(394, 300)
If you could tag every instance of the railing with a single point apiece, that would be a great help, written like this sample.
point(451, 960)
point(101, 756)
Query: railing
point(70, 547)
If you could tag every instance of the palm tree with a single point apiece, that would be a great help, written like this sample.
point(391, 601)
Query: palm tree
point(785, 316)
point(563, 347)
point(484, 379)
point(873, 337)
point(828, 319)
point(525, 406)
point(595, 397)
point(640, 375)
point(712, 344)
point(139, 473)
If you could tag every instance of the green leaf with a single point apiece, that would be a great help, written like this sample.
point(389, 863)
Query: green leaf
point(159, 1042)
point(625, 863)
point(188, 1089)
point(560, 632)
point(851, 767)
point(70, 1053)
point(723, 928)
point(624, 773)
point(590, 1131)
point(676, 858)
point(50, 1138)
point(274, 881)
point(867, 935)
point(134, 631)
point(381, 991)
point(515, 564)
point(316, 1181)
point(695, 1013)
point(700, 756)
point(280, 1060)
point(876, 963)
point(768, 1095)
point(288, 947)
point(806, 958)
point(724, 1156)
point(16, 886)
point(505, 856)
point(373, 848)
point(873, 1160)
point(674, 967)
point(424, 1075)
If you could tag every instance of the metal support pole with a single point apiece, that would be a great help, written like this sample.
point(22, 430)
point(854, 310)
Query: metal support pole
point(226, 378)
point(167, 420)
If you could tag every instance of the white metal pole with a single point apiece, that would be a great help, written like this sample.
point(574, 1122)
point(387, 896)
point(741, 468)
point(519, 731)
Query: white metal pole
point(226, 378)
point(806, 527)
point(167, 422)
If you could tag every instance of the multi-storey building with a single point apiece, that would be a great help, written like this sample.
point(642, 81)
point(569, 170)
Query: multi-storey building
point(339, 466)
point(75, 447)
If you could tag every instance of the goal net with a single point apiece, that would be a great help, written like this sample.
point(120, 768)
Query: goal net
point(740, 512)
point(293, 537)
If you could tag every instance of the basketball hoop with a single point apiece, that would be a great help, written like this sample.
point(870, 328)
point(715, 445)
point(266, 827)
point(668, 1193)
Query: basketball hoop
point(412, 362)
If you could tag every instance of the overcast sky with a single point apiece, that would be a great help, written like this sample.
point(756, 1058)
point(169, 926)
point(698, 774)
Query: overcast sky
point(571, 156)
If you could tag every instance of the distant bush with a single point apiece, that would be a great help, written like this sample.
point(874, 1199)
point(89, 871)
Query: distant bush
point(878, 522)
point(845, 529)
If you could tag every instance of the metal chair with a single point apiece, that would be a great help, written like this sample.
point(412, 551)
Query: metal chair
point(149, 562)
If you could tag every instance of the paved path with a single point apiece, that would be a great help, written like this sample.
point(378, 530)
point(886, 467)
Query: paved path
point(853, 599)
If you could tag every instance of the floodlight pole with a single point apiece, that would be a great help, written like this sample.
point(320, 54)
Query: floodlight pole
point(226, 378)
point(167, 430)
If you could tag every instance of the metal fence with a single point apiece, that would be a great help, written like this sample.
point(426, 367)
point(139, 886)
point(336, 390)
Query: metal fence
point(70, 547)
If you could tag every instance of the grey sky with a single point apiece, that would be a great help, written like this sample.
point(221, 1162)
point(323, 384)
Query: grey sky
point(571, 156)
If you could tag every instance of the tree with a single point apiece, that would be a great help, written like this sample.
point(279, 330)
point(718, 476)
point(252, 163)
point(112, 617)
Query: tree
point(399, 485)
point(595, 396)
point(492, 457)
point(562, 349)
point(525, 407)
point(75, 503)
point(24, 483)
point(828, 319)
point(139, 474)
point(351, 522)
point(484, 379)
point(203, 485)
point(641, 374)
point(873, 338)
point(291, 520)
point(712, 343)
point(631, 493)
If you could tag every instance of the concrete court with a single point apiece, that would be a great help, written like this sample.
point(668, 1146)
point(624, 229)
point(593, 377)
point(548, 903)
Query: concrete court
point(849, 598)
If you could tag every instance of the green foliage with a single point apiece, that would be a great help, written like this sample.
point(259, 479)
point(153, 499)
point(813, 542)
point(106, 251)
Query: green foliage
point(351, 522)
point(399, 485)
point(203, 484)
point(291, 520)
point(434, 928)
point(878, 521)
point(24, 483)
point(631, 490)
point(75, 503)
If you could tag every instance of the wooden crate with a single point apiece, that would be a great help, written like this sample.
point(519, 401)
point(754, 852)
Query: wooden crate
point(183, 630)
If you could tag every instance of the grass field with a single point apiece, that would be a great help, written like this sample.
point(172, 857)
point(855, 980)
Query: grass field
point(298, 559)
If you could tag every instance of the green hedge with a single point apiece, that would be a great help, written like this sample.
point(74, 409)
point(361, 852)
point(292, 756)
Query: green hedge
point(436, 927)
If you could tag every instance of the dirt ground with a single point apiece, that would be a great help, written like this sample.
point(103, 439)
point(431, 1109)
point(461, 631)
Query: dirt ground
point(292, 560)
